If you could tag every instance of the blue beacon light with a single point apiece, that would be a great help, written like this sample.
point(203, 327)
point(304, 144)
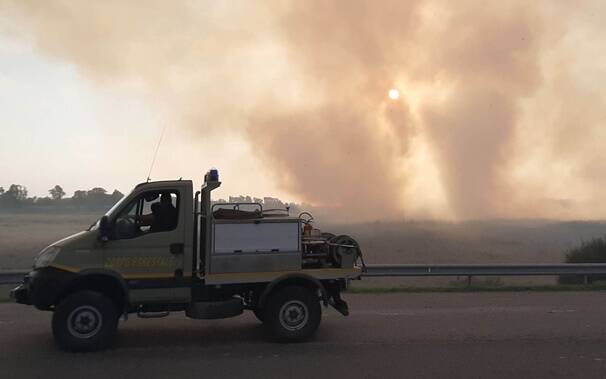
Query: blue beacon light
point(213, 175)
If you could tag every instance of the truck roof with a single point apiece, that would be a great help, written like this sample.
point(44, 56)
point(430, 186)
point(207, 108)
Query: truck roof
point(164, 183)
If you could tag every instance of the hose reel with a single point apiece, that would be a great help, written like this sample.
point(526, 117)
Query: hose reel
point(345, 251)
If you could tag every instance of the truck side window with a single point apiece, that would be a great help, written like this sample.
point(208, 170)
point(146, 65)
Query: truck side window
point(150, 212)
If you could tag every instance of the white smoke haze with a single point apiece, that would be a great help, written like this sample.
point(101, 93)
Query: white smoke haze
point(501, 112)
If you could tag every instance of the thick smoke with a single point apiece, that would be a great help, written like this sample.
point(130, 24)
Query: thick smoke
point(353, 51)
point(344, 146)
point(306, 82)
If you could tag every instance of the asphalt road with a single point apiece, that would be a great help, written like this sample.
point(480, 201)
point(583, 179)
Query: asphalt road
point(460, 335)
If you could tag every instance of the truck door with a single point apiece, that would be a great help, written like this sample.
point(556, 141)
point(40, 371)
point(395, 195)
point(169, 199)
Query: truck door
point(147, 244)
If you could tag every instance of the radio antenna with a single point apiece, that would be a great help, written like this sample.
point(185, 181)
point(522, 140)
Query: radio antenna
point(151, 167)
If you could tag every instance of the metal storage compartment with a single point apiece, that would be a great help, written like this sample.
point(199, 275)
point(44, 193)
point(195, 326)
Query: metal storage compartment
point(263, 244)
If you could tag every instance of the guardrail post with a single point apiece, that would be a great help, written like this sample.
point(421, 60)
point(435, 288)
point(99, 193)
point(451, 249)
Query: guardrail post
point(468, 281)
point(586, 279)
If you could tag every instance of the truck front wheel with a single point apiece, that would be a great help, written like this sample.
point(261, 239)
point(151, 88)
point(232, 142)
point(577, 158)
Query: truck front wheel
point(293, 314)
point(85, 321)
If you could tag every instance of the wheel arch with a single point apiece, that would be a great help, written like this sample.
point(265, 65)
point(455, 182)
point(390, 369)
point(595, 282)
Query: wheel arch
point(301, 280)
point(107, 282)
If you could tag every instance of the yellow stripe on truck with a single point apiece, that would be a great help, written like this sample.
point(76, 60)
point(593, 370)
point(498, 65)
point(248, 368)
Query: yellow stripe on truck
point(160, 275)
point(64, 268)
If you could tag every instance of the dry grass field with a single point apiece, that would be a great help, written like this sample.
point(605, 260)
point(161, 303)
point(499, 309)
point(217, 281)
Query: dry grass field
point(23, 234)
point(494, 241)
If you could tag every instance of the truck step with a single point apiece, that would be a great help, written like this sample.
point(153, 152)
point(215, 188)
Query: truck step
point(209, 310)
point(152, 314)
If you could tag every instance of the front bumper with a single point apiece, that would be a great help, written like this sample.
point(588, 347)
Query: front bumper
point(41, 287)
point(20, 295)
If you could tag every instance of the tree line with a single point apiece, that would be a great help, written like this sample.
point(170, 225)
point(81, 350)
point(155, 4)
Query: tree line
point(16, 196)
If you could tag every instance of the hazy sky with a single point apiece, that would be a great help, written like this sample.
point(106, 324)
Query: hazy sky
point(58, 127)
point(500, 114)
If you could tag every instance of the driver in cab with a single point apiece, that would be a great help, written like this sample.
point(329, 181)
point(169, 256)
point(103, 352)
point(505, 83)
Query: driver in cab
point(163, 216)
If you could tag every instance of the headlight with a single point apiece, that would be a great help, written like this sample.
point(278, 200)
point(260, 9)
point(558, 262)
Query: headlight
point(46, 256)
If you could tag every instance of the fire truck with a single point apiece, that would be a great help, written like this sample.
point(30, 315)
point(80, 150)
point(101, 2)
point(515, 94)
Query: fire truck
point(163, 249)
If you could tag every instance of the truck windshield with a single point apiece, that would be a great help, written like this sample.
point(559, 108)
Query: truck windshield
point(95, 224)
point(118, 204)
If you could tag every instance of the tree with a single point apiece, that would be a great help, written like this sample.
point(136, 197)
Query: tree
point(96, 192)
point(116, 195)
point(79, 195)
point(43, 201)
point(97, 197)
point(15, 196)
point(17, 192)
point(56, 193)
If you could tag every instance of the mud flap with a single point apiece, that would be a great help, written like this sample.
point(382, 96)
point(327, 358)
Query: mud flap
point(340, 305)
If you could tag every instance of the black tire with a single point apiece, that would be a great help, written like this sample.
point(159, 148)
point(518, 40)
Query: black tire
point(85, 321)
point(293, 314)
point(259, 314)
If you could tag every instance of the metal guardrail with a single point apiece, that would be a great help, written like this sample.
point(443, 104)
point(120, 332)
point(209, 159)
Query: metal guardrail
point(467, 270)
point(486, 269)
point(12, 276)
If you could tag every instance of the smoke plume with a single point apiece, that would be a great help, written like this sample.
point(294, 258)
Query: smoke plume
point(486, 124)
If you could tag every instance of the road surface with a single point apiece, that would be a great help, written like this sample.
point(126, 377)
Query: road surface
point(449, 335)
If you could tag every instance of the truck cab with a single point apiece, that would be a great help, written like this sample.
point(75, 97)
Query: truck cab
point(164, 249)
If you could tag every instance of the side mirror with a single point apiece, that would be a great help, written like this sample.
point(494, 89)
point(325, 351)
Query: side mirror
point(104, 229)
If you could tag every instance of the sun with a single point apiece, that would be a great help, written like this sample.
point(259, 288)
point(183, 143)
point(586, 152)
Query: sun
point(394, 94)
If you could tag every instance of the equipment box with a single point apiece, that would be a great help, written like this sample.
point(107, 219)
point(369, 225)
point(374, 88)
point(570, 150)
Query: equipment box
point(263, 244)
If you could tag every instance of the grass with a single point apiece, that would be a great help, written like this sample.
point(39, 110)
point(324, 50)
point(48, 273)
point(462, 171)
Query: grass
point(592, 251)
point(4, 292)
point(24, 234)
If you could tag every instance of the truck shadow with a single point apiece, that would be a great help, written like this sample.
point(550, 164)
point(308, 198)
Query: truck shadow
point(157, 337)
point(214, 333)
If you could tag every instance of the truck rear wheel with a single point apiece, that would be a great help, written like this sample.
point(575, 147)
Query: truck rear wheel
point(85, 321)
point(293, 314)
